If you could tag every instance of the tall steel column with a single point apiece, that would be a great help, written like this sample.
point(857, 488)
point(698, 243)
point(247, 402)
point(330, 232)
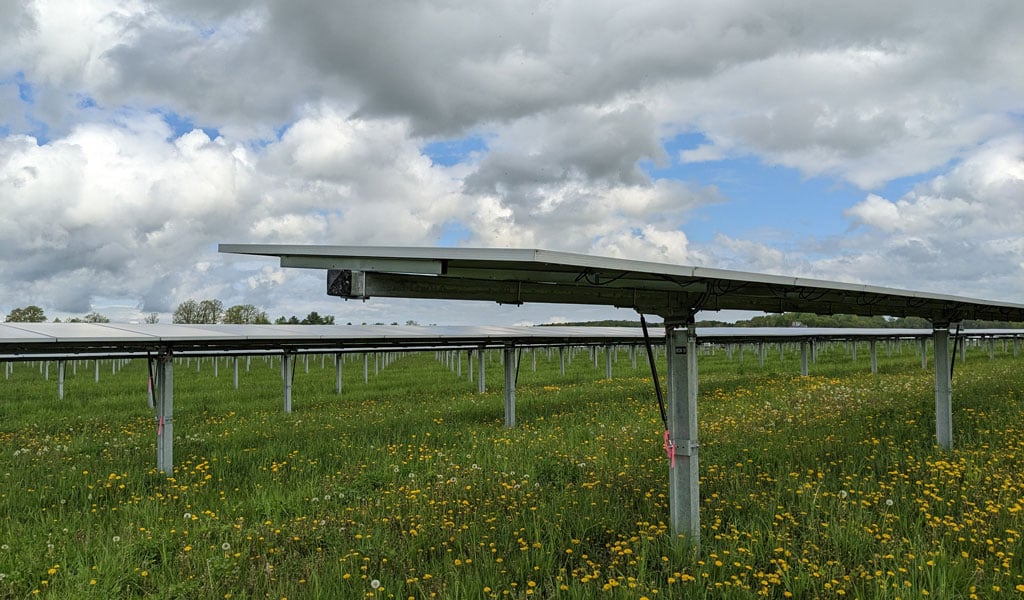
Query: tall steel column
point(287, 373)
point(165, 413)
point(943, 388)
point(510, 386)
point(684, 471)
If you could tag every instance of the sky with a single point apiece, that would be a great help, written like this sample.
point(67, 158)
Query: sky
point(877, 142)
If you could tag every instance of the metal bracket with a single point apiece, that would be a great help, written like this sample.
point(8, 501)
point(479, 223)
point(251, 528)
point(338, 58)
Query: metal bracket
point(346, 283)
point(686, 447)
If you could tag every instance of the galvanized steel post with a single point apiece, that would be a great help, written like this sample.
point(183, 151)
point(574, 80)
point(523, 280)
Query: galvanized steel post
point(165, 413)
point(684, 490)
point(510, 386)
point(943, 388)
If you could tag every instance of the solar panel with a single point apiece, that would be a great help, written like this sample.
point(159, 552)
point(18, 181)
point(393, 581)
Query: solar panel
point(516, 276)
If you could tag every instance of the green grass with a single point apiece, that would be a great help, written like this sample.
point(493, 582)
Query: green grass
point(827, 486)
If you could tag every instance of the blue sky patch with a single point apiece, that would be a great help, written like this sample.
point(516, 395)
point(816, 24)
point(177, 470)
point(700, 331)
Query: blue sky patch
point(454, 234)
point(180, 125)
point(453, 152)
point(763, 201)
point(26, 91)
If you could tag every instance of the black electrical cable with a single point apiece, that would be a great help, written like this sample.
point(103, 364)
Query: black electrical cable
point(956, 342)
point(654, 372)
point(519, 354)
point(152, 381)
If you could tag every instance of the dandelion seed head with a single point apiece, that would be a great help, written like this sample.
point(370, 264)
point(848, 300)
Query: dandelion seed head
point(116, 539)
point(187, 516)
point(888, 502)
point(375, 583)
point(225, 546)
point(843, 494)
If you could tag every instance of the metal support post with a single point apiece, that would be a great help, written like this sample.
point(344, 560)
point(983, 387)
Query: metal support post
point(607, 362)
point(287, 372)
point(366, 368)
point(943, 388)
point(561, 360)
point(874, 356)
point(60, 380)
point(337, 373)
point(165, 413)
point(803, 358)
point(924, 353)
point(510, 386)
point(481, 386)
point(684, 483)
point(235, 368)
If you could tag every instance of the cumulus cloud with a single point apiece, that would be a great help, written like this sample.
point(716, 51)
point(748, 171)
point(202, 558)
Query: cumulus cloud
point(135, 136)
point(961, 229)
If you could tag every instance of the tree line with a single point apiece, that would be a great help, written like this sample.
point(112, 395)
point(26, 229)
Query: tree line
point(189, 311)
point(213, 311)
point(34, 314)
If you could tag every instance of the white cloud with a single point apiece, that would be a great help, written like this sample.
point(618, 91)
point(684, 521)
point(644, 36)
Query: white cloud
point(320, 110)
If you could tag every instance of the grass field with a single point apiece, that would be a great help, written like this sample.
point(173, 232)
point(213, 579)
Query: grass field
point(408, 486)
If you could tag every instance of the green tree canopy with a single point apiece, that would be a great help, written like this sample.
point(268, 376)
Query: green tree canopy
point(314, 318)
point(28, 314)
point(245, 314)
point(211, 311)
point(187, 312)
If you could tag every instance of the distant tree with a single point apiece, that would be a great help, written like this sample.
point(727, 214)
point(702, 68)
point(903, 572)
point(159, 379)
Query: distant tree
point(314, 318)
point(187, 312)
point(95, 317)
point(29, 314)
point(207, 311)
point(293, 320)
point(151, 319)
point(411, 323)
point(245, 314)
point(281, 320)
point(211, 311)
